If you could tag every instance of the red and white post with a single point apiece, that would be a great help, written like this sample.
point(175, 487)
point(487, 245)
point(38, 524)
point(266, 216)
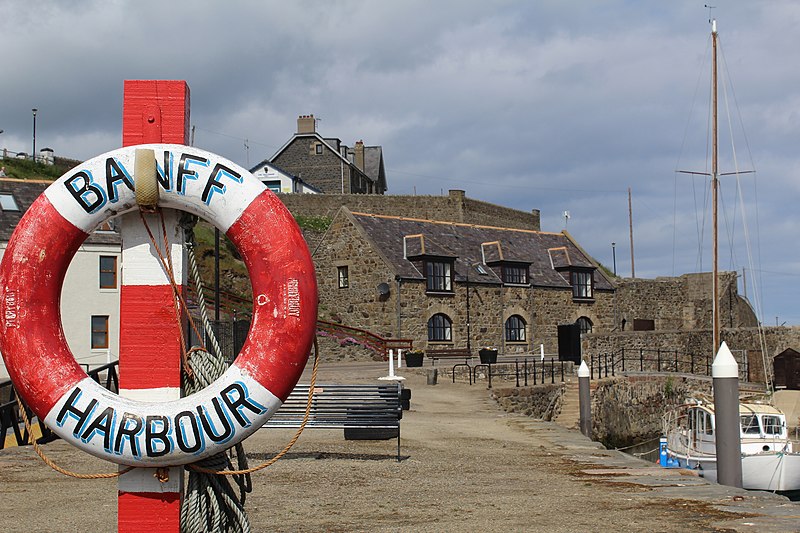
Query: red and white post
point(154, 111)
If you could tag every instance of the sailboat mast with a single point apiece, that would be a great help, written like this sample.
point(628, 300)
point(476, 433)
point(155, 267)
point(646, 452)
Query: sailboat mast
point(714, 190)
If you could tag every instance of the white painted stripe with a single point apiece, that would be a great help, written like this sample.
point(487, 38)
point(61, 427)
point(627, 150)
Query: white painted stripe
point(151, 395)
point(94, 409)
point(141, 264)
point(145, 480)
point(96, 190)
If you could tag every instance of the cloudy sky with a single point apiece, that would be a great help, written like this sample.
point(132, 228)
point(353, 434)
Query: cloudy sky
point(549, 105)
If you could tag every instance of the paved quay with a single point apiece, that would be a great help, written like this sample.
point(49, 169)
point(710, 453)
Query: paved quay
point(467, 466)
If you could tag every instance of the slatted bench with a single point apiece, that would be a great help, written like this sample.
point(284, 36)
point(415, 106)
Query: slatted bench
point(448, 353)
point(361, 410)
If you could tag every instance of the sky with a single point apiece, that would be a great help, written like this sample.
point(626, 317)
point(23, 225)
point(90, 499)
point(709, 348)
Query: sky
point(549, 105)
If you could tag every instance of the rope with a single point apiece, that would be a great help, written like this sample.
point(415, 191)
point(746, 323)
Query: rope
point(49, 462)
point(198, 283)
point(288, 446)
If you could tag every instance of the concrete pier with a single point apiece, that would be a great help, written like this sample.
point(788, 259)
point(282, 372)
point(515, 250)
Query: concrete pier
point(466, 466)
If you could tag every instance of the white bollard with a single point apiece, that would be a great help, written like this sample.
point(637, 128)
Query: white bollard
point(391, 363)
point(725, 377)
point(541, 351)
point(399, 358)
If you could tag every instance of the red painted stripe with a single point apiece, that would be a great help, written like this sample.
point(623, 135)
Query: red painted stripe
point(148, 335)
point(148, 511)
point(31, 275)
point(273, 248)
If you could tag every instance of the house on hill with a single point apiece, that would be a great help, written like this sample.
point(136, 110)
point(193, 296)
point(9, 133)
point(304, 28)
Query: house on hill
point(330, 166)
point(447, 284)
point(279, 181)
point(90, 295)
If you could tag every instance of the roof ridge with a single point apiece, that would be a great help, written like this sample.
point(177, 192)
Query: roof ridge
point(463, 224)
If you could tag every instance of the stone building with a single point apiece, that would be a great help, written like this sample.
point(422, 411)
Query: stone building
point(450, 284)
point(330, 166)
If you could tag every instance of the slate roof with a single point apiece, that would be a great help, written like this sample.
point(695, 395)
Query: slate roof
point(474, 245)
point(25, 193)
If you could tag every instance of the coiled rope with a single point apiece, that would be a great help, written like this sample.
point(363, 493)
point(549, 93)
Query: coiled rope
point(210, 502)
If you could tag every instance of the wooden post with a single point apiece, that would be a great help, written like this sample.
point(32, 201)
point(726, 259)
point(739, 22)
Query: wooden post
point(154, 111)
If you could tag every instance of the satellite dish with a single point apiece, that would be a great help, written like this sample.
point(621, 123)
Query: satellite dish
point(383, 289)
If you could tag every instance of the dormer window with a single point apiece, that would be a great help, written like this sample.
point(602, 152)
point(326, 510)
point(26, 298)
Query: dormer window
point(439, 275)
point(582, 284)
point(515, 274)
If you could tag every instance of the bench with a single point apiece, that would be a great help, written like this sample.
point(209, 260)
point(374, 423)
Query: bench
point(361, 410)
point(448, 353)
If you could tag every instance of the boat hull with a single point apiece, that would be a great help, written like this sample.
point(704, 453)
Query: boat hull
point(767, 471)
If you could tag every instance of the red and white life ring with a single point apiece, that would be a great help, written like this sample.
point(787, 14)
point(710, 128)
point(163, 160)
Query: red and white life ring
point(140, 433)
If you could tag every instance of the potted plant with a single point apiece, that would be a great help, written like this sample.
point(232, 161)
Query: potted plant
point(488, 355)
point(414, 357)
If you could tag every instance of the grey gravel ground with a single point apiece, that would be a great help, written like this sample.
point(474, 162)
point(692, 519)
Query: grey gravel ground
point(467, 466)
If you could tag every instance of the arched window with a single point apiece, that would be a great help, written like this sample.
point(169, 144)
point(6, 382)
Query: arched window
point(515, 329)
point(585, 324)
point(440, 328)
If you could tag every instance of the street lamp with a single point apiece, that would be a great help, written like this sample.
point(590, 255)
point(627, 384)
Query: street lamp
point(33, 154)
point(614, 255)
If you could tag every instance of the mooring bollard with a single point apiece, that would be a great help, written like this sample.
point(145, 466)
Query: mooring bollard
point(433, 376)
point(585, 400)
point(725, 374)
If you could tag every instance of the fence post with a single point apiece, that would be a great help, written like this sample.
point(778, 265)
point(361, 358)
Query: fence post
point(516, 370)
point(613, 365)
point(526, 371)
point(641, 360)
point(534, 371)
point(552, 372)
point(562, 371)
point(691, 355)
point(676, 360)
point(658, 359)
point(622, 352)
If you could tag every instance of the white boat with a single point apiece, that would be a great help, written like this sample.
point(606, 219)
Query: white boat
point(768, 461)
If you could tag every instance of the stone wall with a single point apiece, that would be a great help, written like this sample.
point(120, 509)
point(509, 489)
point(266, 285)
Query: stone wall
point(540, 402)
point(324, 171)
point(454, 207)
point(630, 410)
point(683, 303)
point(359, 305)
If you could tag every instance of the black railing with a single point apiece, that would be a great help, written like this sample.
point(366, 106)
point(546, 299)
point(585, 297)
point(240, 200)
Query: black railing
point(656, 360)
point(11, 421)
point(525, 371)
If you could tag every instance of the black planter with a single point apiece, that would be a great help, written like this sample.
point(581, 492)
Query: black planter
point(414, 359)
point(488, 357)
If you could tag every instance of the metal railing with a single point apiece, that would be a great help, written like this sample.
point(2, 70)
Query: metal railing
point(11, 420)
point(524, 371)
point(657, 360)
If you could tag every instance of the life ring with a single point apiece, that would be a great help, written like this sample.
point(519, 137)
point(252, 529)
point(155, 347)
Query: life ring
point(141, 433)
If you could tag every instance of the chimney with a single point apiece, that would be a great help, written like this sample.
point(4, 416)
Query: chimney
point(306, 124)
point(358, 155)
